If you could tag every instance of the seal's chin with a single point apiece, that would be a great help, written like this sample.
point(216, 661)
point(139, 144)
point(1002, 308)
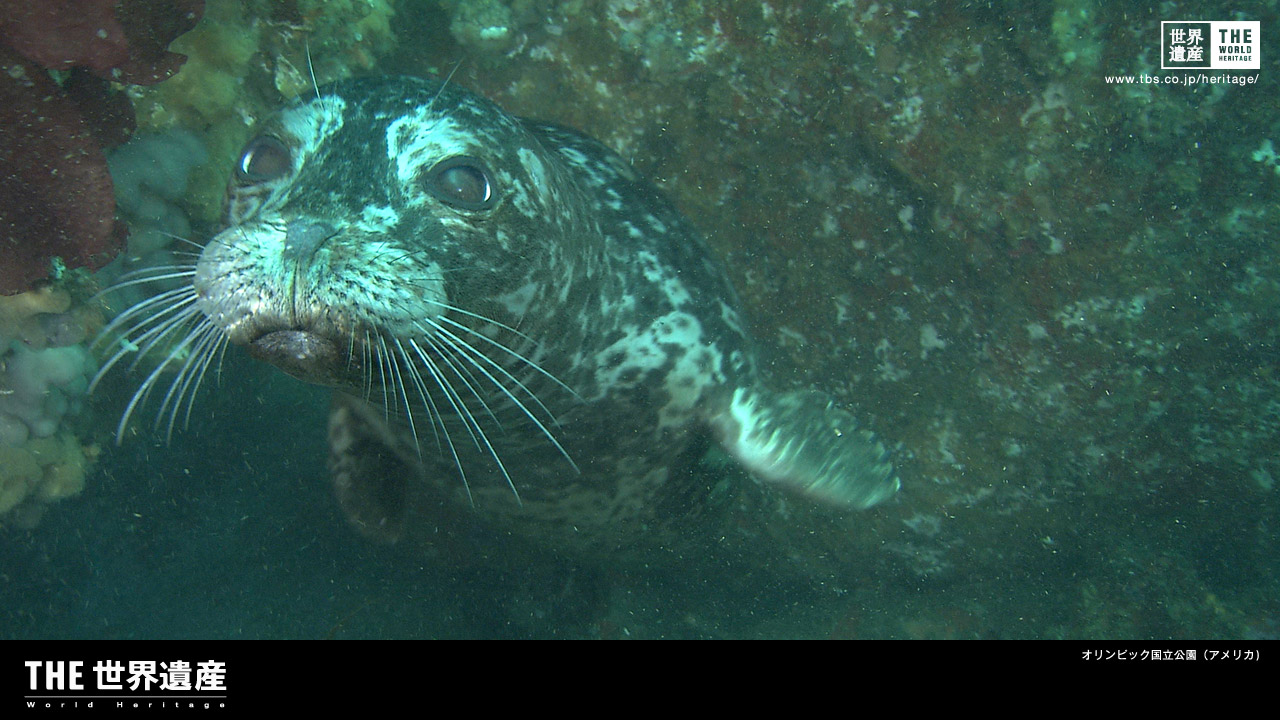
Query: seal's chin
point(305, 355)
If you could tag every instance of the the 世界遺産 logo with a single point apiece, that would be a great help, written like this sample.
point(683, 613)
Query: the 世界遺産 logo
point(1213, 45)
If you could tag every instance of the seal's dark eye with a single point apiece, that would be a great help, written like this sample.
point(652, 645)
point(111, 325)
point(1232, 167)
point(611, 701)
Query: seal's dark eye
point(461, 181)
point(264, 158)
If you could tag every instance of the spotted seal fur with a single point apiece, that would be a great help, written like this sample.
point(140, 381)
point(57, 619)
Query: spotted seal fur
point(509, 314)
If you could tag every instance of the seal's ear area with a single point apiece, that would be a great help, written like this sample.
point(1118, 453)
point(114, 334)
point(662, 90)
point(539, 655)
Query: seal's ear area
point(801, 441)
point(369, 478)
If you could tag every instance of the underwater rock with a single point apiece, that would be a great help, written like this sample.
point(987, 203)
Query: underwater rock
point(124, 42)
point(44, 372)
point(56, 200)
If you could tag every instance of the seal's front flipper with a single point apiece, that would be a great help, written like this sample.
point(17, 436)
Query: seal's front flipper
point(369, 477)
point(801, 441)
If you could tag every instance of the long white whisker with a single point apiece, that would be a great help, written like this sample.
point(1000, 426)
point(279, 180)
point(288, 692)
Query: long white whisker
point(477, 316)
point(444, 85)
point(394, 362)
point(197, 358)
point(179, 238)
point(150, 274)
point(162, 328)
point(448, 395)
point(444, 354)
point(174, 353)
point(451, 394)
point(382, 371)
point(147, 306)
point(219, 349)
point(504, 348)
point(367, 360)
point(460, 347)
point(148, 341)
point(468, 420)
point(468, 378)
point(429, 404)
point(459, 342)
point(312, 70)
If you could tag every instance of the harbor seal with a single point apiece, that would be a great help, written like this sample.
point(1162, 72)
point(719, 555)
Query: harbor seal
point(515, 322)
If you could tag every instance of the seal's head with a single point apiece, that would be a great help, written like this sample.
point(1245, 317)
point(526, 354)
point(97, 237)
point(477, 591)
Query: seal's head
point(358, 217)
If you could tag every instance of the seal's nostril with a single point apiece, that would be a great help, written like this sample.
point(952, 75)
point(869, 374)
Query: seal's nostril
point(303, 238)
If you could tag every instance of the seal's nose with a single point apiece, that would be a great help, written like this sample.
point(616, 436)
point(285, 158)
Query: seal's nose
point(302, 238)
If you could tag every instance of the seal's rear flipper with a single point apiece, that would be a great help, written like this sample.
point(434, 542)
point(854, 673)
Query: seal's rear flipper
point(801, 441)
